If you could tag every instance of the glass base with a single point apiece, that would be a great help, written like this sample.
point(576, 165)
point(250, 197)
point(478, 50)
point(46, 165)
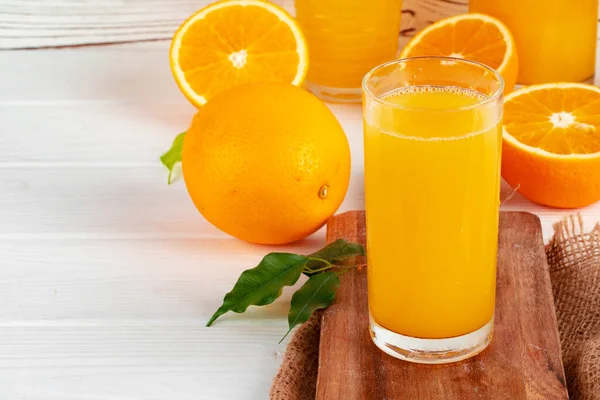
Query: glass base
point(335, 95)
point(431, 351)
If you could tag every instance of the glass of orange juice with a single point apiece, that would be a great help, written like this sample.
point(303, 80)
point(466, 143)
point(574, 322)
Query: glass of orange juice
point(346, 38)
point(556, 39)
point(432, 134)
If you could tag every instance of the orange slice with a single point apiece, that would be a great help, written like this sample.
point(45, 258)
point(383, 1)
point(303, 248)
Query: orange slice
point(551, 150)
point(233, 42)
point(476, 37)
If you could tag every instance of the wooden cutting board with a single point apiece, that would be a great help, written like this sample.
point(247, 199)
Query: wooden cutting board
point(522, 362)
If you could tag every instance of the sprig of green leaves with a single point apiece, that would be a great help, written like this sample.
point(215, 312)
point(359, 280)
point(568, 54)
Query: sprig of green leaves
point(264, 283)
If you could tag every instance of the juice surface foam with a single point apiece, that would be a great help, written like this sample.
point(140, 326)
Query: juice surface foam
point(433, 113)
point(434, 97)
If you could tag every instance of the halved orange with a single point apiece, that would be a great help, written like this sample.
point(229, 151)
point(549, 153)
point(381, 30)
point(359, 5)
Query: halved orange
point(551, 150)
point(233, 42)
point(476, 37)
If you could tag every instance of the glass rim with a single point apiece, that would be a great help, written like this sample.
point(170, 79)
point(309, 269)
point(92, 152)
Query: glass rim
point(489, 99)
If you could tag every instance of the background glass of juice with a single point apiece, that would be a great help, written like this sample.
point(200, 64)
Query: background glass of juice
point(346, 38)
point(556, 39)
point(432, 191)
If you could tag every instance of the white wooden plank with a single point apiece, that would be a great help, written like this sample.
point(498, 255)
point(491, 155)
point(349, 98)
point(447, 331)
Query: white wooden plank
point(63, 282)
point(127, 132)
point(105, 203)
point(182, 362)
point(96, 203)
point(138, 72)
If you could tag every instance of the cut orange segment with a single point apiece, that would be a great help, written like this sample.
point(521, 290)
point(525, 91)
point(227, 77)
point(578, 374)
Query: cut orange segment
point(476, 37)
point(233, 42)
point(551, 150)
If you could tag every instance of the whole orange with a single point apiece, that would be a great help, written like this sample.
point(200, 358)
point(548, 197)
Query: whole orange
point(267, 163)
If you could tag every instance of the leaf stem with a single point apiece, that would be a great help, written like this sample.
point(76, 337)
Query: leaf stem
point(327, 266)
point(314, 271)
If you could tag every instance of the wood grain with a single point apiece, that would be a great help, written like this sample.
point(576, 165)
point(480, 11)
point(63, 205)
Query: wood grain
point(64, 23)
point(59, 23)
point(523, 361)
point(417, 14)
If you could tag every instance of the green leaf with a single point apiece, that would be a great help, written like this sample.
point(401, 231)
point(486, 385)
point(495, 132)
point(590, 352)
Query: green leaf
point(335, 251)
point(173, 157)
point(316, 293)
point(263, 284)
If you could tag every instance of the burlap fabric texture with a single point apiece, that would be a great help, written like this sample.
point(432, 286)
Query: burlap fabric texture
point(574, 261)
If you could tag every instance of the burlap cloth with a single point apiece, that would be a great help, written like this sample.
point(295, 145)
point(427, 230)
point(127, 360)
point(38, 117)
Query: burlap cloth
point(574, 261)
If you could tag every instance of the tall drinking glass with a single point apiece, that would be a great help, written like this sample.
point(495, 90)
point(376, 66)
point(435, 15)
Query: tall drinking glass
point(432, 187)
point(346, 38)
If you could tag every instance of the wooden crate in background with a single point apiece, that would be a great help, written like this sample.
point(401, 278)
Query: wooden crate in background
point(417, 14)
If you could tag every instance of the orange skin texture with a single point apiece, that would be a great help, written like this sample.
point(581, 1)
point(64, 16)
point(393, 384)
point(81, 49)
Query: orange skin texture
point(257, 159)
point(555, 182)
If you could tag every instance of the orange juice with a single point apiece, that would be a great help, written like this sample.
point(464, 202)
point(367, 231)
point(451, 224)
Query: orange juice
point(346, 38)
point(432, 194)
point(432, 186)
point(556, 39)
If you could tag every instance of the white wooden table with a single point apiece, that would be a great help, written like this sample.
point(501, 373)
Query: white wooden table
point(108, 275)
